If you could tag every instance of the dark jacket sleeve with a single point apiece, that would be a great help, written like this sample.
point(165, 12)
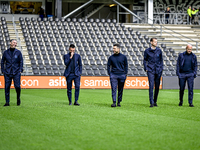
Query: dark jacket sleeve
point(126, 65)
point(161, 60)
point(21, 62)
point(108, 65)
point(80, 64)
point(195, 66)
point(144, 61)
point(67, 60)
point(2, 63)
point(178, 66)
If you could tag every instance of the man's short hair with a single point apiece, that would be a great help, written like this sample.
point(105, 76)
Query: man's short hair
point(117, 45)
point(71, 46)
point(13, 40)
point(151, 40)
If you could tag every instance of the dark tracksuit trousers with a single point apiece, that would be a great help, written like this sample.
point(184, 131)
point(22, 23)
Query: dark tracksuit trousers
point(117, 81)
point(153, 79)
point(190, 82)
point(76, 79)
point(8, 80)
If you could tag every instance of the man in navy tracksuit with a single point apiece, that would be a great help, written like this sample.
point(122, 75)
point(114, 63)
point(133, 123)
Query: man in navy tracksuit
point(117, 68)
point(73, 72)
point(12, 67)
point(153, 67)
point(186, 70)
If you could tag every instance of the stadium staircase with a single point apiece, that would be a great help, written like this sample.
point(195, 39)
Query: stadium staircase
point(17, 34)
point(94, 11)
point(167, 35)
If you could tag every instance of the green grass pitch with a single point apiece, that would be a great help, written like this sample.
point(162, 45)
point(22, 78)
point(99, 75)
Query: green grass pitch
point(45, 121)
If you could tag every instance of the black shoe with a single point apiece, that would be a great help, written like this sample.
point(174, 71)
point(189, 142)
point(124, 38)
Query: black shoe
point(180, 104)
point(118, 104)
point(155, 104)
point(70, 103)
point(76, 103)
point(18, 102)
point(6, 104)
point(113, 105)
point(191, 105)
point(151, 105)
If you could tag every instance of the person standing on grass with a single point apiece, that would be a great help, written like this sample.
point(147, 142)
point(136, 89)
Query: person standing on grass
point(73, 72)
point(153, 65)
point(12, 67)
point(117, 68)
point(186, 70)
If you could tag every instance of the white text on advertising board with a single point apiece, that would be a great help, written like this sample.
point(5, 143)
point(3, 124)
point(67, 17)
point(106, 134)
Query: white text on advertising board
point(101, 83)
point(137, 82)
point(57, 82)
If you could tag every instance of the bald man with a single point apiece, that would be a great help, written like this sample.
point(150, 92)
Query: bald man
point(186, 70)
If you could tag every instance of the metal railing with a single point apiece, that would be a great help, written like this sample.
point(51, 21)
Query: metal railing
point(79, 8)
point(89, 8)
point(154, 25)
point(17, 35)
point(174, 18)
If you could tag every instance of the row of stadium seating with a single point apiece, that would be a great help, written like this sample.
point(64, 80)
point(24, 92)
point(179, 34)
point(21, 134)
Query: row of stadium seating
point(4, 35)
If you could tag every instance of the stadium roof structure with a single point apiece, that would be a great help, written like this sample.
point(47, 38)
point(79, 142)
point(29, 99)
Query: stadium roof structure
point(102, 1)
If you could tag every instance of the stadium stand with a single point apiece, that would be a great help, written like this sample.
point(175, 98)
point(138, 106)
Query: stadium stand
point(48, 40)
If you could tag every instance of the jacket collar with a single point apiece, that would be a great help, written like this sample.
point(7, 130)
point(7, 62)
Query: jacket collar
point(152, 49)
point(13, 51)
point(184, 53)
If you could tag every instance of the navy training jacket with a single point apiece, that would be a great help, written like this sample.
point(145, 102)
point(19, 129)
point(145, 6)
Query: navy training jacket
point(78, 64)
point(153, 61)
point(180, 62)
point(12, 65)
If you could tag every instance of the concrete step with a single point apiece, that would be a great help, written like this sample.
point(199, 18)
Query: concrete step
point(176, 39)
point(156, 26)
point(180, 32)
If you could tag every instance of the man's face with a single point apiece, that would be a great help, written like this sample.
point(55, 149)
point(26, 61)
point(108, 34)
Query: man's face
point(72, 50)
point(115, 50)
point(189, 7)
point(154, 43)
point(13, 44)
point(189, 49)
